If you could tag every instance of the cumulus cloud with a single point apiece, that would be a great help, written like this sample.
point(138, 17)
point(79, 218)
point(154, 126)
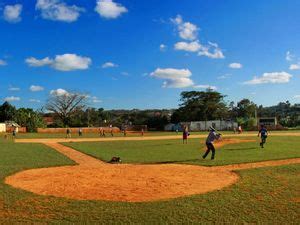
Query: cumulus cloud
point(109, 9)
point(35, 88)
point(59, 92)
point(187, 30)
point(33, 62)
point(188, 46)
point(109, 65)
point(295, 66)
point(211, 51)
point(272, 78)
point(235, 65)
point(68, 62)
point(12, 13)
point(3, 63)
point(289, 56)
point(174, 78)
point(12, 99)
point(162, 47)
point(65, 62)
point(57, 10)
point(205, 86)
point(95, 99)
point(225, 76)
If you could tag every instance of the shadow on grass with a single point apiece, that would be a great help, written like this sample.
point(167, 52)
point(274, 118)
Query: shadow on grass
point(171, 161)
point(238, 149)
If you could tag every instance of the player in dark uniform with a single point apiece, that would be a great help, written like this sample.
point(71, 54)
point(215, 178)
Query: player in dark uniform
point(263, 135)
point(212, 136)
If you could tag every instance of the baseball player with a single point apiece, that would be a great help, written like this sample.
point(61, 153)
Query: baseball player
point(212, 136)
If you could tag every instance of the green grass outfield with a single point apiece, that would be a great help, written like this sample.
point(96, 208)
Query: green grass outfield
point(173, 151)
point(267, 195)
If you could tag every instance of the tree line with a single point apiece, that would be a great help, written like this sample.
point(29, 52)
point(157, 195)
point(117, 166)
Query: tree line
point(71, 110)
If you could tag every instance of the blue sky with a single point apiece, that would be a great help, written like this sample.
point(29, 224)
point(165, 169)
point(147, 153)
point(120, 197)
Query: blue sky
point(142, 54)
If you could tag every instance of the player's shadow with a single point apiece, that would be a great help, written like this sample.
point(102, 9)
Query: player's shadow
point(175, 161)
point(238, 149)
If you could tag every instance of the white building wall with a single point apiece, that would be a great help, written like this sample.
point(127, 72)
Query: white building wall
point(2, 127)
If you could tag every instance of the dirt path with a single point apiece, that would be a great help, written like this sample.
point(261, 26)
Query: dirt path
point(167, 137)
point(93, 179)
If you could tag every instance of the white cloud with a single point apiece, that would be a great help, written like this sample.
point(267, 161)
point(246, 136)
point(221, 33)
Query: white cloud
point(3, 63)
point(68, 62)
point(178, 83)
point(273, 78)
point(12, 99)
point(109, 9)
point(205, 86)
point(162, 47)
point(57, 10)
point(225, 76)
point(35, 88)
point(211, 51)
point(174, 78)
point(295, 66)
point(12, 13)
point(109, 65)
point(65, 62)
point(235, 65)
point(14, 89)
point(96, 99)
point(187, 30)
point(188, 46)
point(34, 100)
point(38, 62)
point(297, 97)
point(289, 56)
point(59, 92)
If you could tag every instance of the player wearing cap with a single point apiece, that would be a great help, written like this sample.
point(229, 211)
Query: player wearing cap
point(212, 136)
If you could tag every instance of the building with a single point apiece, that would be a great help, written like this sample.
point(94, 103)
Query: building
point(2, 127)
point(204, 125)
point(267, 121)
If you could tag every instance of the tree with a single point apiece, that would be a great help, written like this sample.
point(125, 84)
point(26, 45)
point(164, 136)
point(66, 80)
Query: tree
point(246, 108)
point(7, 112)
point(29, 118)
point(64, 105)
point(201, 105)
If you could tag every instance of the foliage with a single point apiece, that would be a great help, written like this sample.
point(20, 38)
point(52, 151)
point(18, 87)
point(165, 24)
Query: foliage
point(7, 112)
point(30, 119)
point(288, 115)
point(65, 105)
point(201, 105)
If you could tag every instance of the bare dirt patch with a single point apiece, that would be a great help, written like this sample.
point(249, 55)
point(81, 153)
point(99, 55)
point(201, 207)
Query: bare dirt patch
point(93, 179)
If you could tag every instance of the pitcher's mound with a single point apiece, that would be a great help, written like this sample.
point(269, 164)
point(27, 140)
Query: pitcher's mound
point(95, 180)
point(131, 183)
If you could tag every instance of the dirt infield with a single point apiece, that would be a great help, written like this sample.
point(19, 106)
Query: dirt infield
point(93, 179)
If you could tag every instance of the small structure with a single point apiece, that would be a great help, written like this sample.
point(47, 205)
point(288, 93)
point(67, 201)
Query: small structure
point(204, 125)
point(173, 127)
point(270, 122)
point(2, 127)
point(11, 125)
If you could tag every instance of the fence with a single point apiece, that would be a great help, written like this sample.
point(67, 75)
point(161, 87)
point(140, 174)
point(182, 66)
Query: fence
point(75, 130)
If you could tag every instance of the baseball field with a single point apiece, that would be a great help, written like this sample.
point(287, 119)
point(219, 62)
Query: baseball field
point(51, 179)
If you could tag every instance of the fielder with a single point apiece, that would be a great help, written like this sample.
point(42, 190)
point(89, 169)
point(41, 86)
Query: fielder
point(263, 135)
point(212, 136)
